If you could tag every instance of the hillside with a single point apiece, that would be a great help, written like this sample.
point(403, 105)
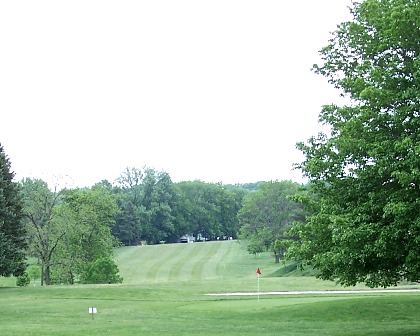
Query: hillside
point(185, 262)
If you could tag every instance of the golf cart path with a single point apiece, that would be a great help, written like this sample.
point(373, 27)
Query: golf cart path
point(326, 292)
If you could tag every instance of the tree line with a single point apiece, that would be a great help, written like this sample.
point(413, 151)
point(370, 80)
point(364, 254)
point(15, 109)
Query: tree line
point(155, 209)
point(73, 232)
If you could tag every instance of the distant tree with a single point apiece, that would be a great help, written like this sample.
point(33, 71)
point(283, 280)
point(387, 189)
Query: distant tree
point(12, 229)
point(279, 248)
point(130, 181)
point(209, 208)
point(155, 209)
point(129, 224)
point(127, 228)
point(230, 202)
point(158, 201)
point(212, 208)
point(267, 214)
point(255, 245)
point(365, 170)
point(247, 186)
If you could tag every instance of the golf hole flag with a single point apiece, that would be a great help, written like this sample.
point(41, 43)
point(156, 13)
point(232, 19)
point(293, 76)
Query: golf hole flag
point(258, 271)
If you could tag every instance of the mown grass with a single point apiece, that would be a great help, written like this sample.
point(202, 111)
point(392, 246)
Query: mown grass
point(163, 293)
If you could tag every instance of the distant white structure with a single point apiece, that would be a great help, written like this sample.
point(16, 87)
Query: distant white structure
point(187, 239)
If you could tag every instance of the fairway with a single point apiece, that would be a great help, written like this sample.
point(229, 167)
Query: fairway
point(164, 292)
point(220, 265)
point(180, 262)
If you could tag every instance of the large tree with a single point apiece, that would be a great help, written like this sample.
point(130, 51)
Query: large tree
point(158, 200)
point(12, 229)
point(90, 215)
point(129, 221)
point(46, 225)
point(366, 170)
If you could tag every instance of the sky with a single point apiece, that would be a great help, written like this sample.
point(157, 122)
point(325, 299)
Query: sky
point(218, 91)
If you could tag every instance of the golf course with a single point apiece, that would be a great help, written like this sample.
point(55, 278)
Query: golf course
point(166, 292)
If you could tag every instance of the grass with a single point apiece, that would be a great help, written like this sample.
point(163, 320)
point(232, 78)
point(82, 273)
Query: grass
point(163, 293)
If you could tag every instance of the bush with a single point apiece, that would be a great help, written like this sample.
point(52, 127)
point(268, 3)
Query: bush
point(102, 271)
point(23, 280)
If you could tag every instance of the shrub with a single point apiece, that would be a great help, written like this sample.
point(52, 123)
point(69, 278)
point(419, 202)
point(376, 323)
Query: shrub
point(102, 271)
point(23, 280)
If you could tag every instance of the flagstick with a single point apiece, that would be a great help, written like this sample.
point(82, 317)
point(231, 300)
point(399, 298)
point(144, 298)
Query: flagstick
point(258, 288)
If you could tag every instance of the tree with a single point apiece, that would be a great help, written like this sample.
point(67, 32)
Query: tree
point(158, 200)
point(197, 208)
point(127, 227)
point(90, 216)
point(130, 221)
point(12, 230)
point(267, 214)
point(209, 209)
point(45, 224)
point(130, 180)
point(366, 170)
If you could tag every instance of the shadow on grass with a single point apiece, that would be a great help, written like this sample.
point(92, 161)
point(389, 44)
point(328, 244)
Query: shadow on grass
point(292, 269)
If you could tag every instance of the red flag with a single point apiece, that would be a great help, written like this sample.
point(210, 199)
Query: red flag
point(258, 271)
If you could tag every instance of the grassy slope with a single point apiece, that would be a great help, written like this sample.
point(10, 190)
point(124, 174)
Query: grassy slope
point(163, 292)
point(222, 266)
point(181, 262)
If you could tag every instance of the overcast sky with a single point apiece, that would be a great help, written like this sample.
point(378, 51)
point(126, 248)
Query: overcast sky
point(217, 90)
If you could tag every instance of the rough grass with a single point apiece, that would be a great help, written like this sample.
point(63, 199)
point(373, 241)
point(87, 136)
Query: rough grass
point(163, 293)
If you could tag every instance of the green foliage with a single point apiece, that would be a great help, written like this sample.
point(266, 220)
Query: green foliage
point(158, 203)
point(148, 201)
point(210, 209)
point(266, 216)
point(102, 271)
point(246, 186)
point(23, 280)
point(12, 230)
point(127, 228)
point(255, 245)
point(45, 224)
point(34, 272)
point(90, 216)
point(365, 173)
point(68, 229)
point(155, 209)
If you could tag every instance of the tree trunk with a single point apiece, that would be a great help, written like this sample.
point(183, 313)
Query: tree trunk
point(47, 275)
point(42, 273)
point(277, 258)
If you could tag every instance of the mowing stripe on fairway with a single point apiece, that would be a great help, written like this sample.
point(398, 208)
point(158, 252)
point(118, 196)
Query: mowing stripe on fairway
point(181, 266)
point(163, 258)
point(225, 258)
point(204, 267)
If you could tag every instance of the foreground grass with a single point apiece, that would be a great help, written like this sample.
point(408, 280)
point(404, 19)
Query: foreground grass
point(174, 310)
point(164, 293)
